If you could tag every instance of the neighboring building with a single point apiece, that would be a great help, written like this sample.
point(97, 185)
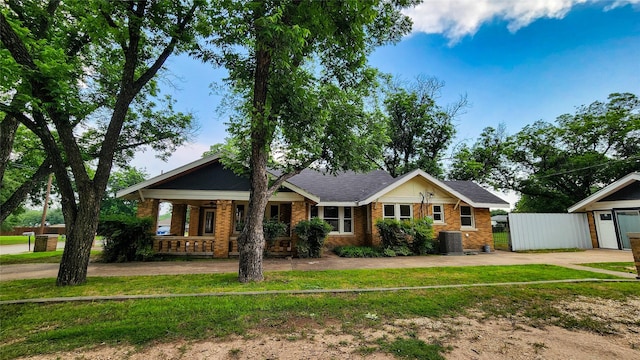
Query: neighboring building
point(351, 202)
point(613, 212)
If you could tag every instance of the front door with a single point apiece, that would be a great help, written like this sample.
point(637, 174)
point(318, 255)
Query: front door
point(209, 223)
point(606, 230)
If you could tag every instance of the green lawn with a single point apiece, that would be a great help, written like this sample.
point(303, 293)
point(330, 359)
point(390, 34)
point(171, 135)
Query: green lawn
point(38, 257)
point(20, 239)
point(291, 280)
point(47, 328)
point(628, 267)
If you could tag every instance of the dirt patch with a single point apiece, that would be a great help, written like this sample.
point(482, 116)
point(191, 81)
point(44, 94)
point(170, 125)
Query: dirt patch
point(475, 336)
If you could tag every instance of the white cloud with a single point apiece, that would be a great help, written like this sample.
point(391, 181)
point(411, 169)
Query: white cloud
point(458, 18)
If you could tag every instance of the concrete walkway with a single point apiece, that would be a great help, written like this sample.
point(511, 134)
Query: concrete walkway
point(330, 261)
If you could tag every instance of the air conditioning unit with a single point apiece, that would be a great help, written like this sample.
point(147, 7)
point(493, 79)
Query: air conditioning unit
point(450, 242)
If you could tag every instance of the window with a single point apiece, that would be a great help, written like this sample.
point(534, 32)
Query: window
point(239, 214)
point(332, 216)
point(340, 218)
point(466, 216)
point(438, 213)
point(274, 212)
point(398, 211)
point(346, 220)
point(389, 212)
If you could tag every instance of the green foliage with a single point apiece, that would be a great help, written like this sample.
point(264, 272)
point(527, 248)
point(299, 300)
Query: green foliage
point(419, 129)
point(126, 238)
point(358, 252)
point(553, 166)
point(311, 236)
point(412, 348)
point(119, 180)
point(413, 237)
point(273, 229)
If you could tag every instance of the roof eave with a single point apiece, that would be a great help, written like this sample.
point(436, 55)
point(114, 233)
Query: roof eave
point(604, 192)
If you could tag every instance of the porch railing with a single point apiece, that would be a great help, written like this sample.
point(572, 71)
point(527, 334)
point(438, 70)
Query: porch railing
point(181, 245)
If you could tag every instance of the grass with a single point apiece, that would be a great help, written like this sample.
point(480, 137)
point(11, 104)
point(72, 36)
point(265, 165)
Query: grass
point(627, 267)
point(291, 280)
point(38, 257)
point(20, 239)
point(45, 329)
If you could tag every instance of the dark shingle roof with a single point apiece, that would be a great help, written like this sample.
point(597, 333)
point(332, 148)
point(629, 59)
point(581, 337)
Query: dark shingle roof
point(346, 186)
point(474, 192)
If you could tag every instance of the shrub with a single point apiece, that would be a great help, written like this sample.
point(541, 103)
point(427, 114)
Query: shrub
point(126, 238)
point(407, 237)
point(312, 234)
point(357, 251)
point(273, 229)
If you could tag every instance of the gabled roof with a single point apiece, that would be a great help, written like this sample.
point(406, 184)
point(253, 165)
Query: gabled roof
point(347, 187)
point(175, 175)
point(606, 191)
point(344, 189)
point(466, 191)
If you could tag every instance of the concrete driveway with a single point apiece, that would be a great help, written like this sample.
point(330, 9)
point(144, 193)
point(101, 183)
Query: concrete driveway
point(329, 261)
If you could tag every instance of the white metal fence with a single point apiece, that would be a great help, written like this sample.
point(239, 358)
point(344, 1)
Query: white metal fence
point(549, 231)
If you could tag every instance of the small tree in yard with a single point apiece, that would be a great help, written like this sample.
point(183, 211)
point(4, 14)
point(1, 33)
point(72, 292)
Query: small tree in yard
point(312, 234)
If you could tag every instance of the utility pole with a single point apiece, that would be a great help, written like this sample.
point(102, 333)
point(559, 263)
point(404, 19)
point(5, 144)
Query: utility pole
point(46, 204)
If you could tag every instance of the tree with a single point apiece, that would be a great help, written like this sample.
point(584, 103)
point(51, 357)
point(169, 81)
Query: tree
point(119, 180)
point(555, 166)
point(419, 129)
point(299, 68)
point(82, 78)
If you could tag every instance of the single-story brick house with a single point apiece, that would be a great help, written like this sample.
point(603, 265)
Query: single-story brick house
point(613, 212)
point(217, 200)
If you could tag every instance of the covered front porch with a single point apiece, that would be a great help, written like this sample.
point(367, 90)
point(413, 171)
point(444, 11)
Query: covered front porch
point(214, 225)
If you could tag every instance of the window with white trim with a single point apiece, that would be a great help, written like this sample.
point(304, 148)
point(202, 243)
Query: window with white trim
point(339, 217)
point(466, 216)
point(438, 213)
point(397, 211)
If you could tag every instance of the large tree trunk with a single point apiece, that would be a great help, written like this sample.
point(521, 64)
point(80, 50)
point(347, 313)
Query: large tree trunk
point(251, 240)
point(80, 236)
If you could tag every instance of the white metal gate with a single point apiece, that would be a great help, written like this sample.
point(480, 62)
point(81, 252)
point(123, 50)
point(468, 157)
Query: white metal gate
point(549, 231)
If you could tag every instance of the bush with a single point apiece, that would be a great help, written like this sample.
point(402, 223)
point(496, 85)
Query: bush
point(126, 238)
point(272, 230)
point(312, 234)
point(357, 251)
point(407, 237)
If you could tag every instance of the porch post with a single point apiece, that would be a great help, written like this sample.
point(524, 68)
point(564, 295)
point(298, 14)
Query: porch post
point(376, 214)
point(178, 219)
point(149, 208)
point(223, 228)
point(194, 220)
point(298, 213)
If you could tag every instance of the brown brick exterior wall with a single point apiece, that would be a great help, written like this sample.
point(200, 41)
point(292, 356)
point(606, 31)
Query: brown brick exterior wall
point(178, 219)
point(376, 214)
point(592, 230)
point(478, 237)
point(194, 221)
point(149, 208)
point(223, 227)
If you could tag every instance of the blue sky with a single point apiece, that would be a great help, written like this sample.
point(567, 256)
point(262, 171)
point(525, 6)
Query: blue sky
point(517, 61)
